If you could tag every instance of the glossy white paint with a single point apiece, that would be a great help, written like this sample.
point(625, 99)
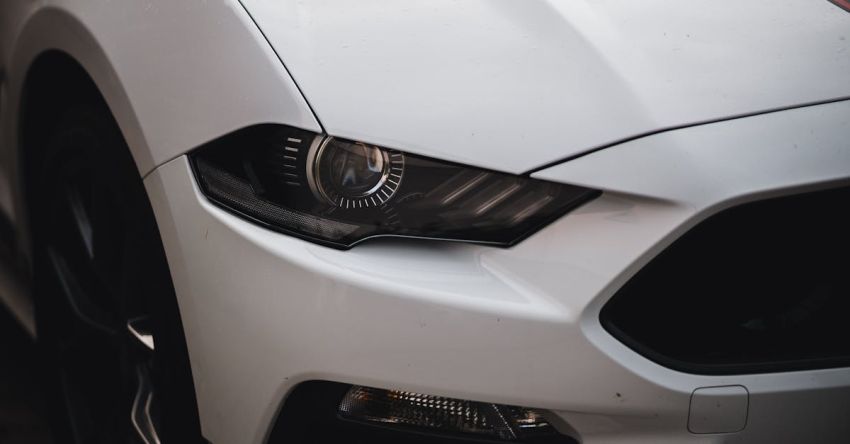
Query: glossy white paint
point(264, 311)
point(174, 74)
point(505, 84)
point(512, 85)
point(791, 148)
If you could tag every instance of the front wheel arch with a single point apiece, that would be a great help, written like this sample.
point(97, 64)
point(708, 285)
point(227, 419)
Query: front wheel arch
point(55, 87)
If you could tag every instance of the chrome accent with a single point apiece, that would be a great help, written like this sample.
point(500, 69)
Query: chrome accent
point(318, 141)
point(486, 206)
point(140, 415)
point(465, 188)
point(531, 209)
point(145, 337)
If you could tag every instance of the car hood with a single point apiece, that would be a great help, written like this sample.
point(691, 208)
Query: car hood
point(516, 84)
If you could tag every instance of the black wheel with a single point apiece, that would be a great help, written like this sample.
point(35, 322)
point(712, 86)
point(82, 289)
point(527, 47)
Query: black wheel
point(107, 317)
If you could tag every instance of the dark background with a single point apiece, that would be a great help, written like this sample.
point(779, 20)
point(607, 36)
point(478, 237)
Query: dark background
point(22, 407)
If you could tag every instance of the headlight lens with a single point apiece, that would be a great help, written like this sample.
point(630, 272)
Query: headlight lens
point(354, 175)
point(339, 192)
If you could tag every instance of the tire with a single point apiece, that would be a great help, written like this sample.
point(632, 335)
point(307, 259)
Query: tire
point(102, 289)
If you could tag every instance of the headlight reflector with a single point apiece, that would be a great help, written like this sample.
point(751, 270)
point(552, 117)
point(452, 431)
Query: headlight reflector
point(339, 192)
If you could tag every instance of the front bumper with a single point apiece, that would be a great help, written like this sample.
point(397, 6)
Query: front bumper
point(264, 312)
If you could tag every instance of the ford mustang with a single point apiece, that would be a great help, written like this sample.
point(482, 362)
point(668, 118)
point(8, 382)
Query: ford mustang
point(443, 221)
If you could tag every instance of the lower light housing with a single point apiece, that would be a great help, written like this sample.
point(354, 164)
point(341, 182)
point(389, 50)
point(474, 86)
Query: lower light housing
point(444, 415)
point(320, 412)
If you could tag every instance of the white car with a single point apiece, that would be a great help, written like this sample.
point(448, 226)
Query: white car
point(442, 221)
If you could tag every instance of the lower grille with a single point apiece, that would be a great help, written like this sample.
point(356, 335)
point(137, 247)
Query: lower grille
point(762, 287)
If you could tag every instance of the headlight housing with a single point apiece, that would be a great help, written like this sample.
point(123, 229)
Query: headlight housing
point(338, 192)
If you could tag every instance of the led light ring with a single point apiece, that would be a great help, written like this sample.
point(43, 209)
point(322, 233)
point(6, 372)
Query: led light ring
point(384, 189)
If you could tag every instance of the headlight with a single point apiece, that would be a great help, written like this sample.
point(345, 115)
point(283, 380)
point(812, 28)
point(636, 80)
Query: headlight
point(339, 192)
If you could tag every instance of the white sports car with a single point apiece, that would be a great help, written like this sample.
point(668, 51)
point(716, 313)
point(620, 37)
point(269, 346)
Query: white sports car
point(442, 221)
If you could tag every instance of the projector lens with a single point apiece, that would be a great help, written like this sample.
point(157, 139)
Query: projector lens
point(356, 175)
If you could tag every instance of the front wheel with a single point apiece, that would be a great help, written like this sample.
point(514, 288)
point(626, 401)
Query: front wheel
point(106, 312)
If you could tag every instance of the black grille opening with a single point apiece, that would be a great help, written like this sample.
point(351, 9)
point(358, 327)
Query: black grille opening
point(762, 287)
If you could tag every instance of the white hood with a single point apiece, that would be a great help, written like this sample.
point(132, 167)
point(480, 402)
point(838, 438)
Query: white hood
point(515, 84)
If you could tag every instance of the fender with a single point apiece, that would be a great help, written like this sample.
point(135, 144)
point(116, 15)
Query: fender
point(174, 75)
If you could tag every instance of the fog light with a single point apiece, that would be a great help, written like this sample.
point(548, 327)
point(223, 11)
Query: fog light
point(444, 415)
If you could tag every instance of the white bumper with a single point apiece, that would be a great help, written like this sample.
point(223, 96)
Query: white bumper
point(263, 311)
